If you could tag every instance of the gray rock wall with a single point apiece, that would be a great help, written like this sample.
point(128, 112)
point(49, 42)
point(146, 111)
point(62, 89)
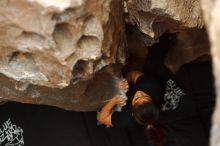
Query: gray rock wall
point(42, 41)
point(50, 51)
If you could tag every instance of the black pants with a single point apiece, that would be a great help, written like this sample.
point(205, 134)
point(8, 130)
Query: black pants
point(202, 84)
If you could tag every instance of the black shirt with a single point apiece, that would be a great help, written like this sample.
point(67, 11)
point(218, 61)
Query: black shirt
point(38, 125)
point(34, 125)
point(186, 102)
point(178, 109)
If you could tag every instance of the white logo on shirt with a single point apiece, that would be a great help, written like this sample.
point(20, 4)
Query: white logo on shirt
point(172, 96)
point(11, 135)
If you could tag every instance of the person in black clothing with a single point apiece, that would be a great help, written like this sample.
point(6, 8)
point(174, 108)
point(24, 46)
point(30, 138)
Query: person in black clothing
point(140, 110)
point(178, 124)
point(184, 99)
point(190, 120)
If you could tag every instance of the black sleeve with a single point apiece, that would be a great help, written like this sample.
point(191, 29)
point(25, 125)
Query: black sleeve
point(150, 85)
point(124, 118)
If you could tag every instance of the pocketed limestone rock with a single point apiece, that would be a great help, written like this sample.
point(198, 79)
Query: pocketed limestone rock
point(49, 47)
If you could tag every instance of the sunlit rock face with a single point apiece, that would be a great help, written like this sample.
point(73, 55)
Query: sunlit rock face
point(55, 45)
point(211, 11)
point(183, 18)
point(154, 17)
point(41, 41)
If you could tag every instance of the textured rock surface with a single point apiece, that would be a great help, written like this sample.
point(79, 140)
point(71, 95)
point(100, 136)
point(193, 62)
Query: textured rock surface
point(50, 50)
point(53, 52)
point(42, 41)
point(212, 19)
point(156, 17)
point(189, 45)
point(86, 95)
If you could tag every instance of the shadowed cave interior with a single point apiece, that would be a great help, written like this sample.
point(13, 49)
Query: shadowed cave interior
point(50, 126)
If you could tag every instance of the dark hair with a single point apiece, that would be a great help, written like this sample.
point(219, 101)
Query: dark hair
point(147, 114)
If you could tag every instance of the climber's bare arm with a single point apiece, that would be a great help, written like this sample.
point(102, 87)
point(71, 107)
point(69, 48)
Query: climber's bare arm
point(104, 116)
